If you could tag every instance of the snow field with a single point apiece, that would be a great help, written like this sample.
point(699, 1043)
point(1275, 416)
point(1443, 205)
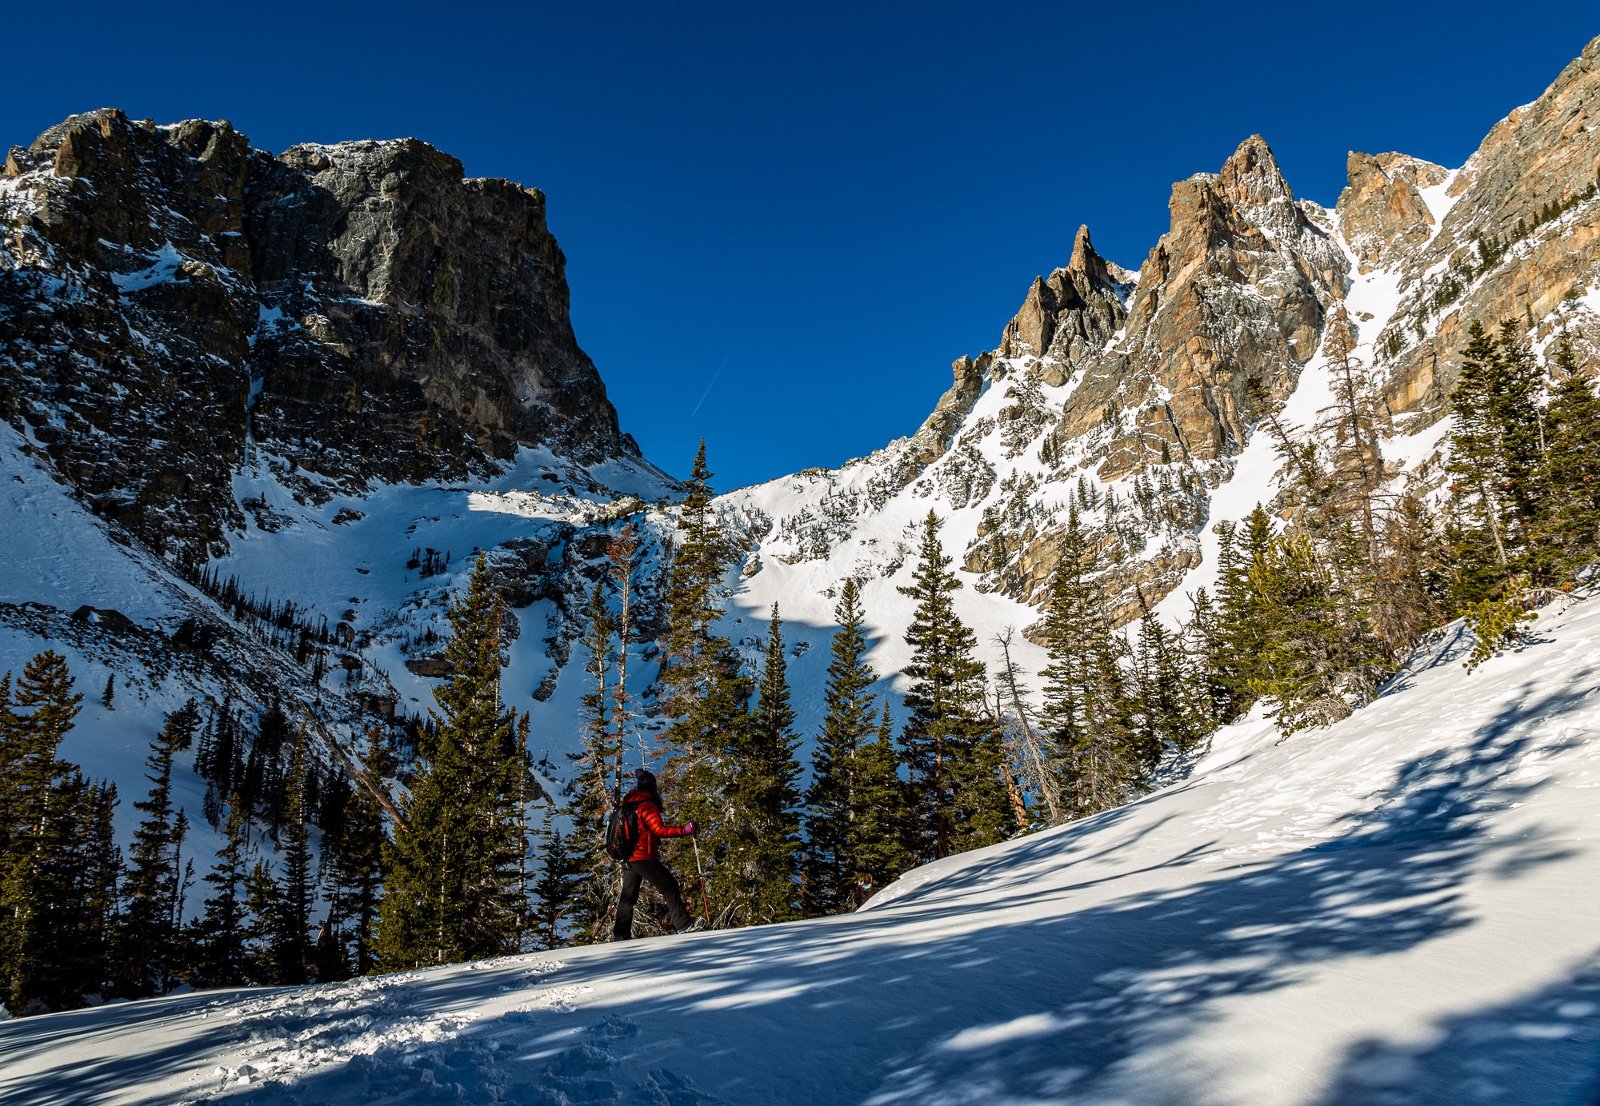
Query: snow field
point(1398, 909)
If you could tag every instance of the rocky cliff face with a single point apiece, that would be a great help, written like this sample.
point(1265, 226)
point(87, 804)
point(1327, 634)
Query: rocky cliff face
point(1518, 239)
point(171, 297)
point(1130, 397)
point(1155, 377)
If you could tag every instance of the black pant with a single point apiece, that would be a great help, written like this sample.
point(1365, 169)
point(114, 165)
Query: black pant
point(633, 871)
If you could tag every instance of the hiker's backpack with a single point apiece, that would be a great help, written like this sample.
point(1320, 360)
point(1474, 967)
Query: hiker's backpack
point(622, 831)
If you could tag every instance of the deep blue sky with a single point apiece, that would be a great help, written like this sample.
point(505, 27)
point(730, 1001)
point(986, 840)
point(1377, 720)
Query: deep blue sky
point(838, 199)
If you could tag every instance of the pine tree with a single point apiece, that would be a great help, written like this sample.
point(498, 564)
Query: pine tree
point(1483, 467)
point(100, 896)
point(452, 892)
point(1211, 700)
point(45, 925)
point(1520, 428)
point(1240, 638)
point(261, 782)
point(46, 707)
point(1072, 621)
point(149, 941)
point(1568, 530)
point(832, 801)
point(882, 841)
point(1165, 717)
point(263, 907)
point(108, 696)
point(557, 890)
point(358, 862)
point(701, 687)
point(953, 751)
point(1087, 716)
point(217, 760)
point(13, 750)
point(760, 842)
point(1351, 428)
point(1319, 648)
point(52, 879)
point(596, 785)
point(291, 946)
point(221, 932)
point(1411, 580)
point(1108, 768)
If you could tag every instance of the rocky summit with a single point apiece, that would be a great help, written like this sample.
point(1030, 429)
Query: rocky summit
point(1131, 396)
point(171, 298)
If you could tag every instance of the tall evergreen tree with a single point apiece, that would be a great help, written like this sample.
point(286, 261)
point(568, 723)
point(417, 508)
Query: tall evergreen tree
point(262, 785)
point(220, 939)
point(1212, 701)
point(1241, 626)
point(45, 707)
point(1482, 526)
point(1519, 425)
point(832, 801)
point(101, 890)
point(1300, 662)
point(1072, 622)
point(1351, 427)
point(291, 945)
point(1166, 718)
point(1087, 716)
point(882, 840)
point(358, 862)
point(1568, 529)
point(263, 910)
point(597, 782)
point(452, 889)
point(952, 750)
point(12, 753)
point(558, 886)
point(760, 842)
point(148, 945)
point(55, 889)
point(701, 687)
point(48, 939)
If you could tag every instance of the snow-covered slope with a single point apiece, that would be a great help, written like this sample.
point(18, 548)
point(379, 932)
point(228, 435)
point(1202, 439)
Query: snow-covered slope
point(1398, 909)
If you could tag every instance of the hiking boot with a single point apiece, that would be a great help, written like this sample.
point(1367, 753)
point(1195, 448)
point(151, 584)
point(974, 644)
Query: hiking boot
point(694, 927)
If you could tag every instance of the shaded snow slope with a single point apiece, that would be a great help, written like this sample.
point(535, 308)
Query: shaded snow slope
point(345, 560)
point(1398, 909)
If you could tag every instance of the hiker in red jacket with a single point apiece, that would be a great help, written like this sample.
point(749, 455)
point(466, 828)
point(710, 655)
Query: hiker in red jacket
point(645, 803)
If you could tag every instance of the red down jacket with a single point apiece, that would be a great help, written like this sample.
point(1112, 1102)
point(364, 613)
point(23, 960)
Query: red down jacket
point(650, 825)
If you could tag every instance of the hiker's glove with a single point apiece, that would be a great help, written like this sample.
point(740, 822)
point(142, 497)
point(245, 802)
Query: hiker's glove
point(688, 828)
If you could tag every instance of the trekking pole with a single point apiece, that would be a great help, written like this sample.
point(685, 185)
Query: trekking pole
point(705, 903)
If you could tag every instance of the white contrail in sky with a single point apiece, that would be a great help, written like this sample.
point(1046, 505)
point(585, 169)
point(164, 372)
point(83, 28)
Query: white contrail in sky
point(714, 376)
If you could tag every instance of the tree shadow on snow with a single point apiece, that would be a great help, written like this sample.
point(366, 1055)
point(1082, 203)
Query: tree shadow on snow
point(1543, 1049)
point(93, 1069)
